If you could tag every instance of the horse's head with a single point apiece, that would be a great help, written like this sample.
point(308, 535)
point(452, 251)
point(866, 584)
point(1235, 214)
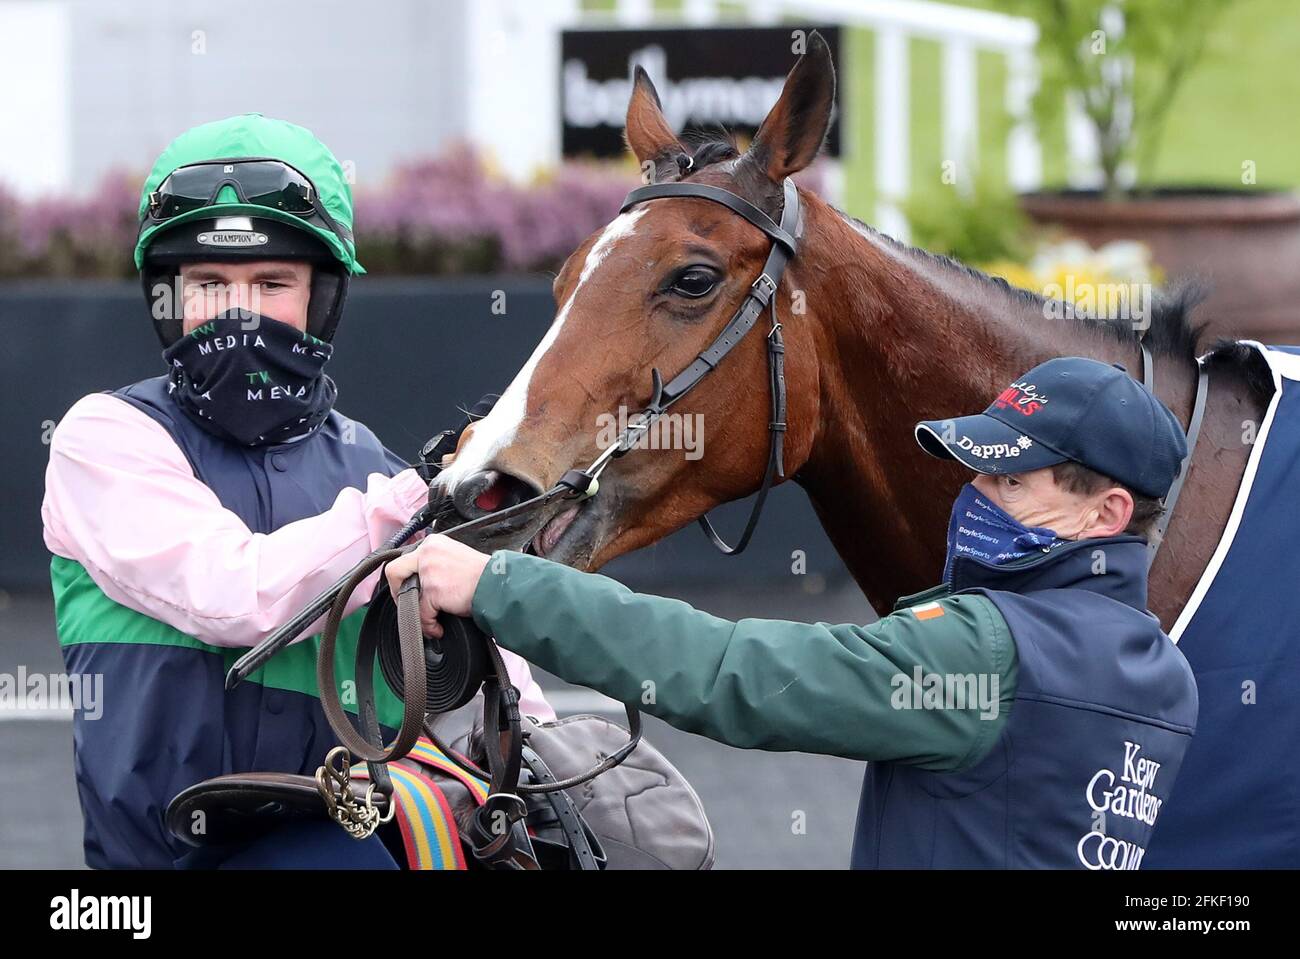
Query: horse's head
point(650, 291)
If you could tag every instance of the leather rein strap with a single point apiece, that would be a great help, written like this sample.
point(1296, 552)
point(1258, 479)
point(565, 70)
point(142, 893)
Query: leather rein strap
point(1193, 434)
point(761, 296)
point(492, 832)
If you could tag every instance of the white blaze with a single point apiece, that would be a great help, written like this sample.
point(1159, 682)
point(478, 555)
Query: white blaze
point(499, 428)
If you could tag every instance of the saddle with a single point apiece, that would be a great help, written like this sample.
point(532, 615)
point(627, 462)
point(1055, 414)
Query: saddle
point(532, 807)
point(591, 827)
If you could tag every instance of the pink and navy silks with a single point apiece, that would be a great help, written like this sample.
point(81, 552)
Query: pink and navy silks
point(121, 500)
point(174, 553)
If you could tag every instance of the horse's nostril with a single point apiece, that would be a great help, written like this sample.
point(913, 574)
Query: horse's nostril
point(489, 491)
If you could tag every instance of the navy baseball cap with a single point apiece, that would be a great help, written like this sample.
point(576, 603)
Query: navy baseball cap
point(1070, 408)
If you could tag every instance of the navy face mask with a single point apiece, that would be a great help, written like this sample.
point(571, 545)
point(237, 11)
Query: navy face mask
point(252, 380)
point(984, 531)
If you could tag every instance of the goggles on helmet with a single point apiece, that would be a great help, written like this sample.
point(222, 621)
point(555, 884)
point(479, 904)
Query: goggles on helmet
point(269, 183)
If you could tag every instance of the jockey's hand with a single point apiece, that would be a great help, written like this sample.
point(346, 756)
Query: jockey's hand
point(439, 453)
point(449, 573)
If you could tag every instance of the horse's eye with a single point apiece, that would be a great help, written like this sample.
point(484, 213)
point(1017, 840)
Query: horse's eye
point(694, 283)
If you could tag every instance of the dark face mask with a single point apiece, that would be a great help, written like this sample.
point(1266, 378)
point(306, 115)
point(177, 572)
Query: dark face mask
point(985, 531)
point(252, 380)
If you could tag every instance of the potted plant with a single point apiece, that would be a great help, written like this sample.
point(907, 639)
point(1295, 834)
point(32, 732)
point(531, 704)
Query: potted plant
point(1123, 62)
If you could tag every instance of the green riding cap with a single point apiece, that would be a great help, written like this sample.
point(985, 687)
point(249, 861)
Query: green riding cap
point(247, 136)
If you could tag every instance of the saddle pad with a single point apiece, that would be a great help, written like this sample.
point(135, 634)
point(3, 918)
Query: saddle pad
point(644, 812)
point(1236, 802)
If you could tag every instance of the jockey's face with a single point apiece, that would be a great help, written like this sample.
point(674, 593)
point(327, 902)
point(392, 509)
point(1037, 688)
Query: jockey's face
point(1036, 499)
point(276, 289)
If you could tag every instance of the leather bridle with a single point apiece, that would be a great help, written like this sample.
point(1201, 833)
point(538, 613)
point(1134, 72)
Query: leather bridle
point(465, 660)
point(761, 295)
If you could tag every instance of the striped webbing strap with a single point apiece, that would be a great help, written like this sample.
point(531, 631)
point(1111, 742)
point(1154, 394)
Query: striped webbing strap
point(429, 831)
point(427, 754)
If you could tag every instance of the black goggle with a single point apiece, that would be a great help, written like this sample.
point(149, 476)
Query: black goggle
point(268, 183)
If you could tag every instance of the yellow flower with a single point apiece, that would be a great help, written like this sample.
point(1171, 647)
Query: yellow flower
point(1016, 274)
point(1100, 282)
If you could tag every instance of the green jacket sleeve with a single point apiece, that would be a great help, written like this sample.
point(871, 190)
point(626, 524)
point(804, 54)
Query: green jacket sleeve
point(861, 692)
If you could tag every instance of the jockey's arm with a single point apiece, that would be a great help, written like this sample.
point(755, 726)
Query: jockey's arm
point(122, 501)
point(860, 692)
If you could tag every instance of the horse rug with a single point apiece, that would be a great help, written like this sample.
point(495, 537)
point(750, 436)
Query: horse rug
point(1236, 803)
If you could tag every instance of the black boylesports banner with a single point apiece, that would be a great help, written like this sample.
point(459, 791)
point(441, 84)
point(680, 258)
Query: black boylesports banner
point(729, 76)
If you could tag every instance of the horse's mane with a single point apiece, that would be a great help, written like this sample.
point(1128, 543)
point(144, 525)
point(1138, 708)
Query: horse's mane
point(1171, 331)
point(710, 145)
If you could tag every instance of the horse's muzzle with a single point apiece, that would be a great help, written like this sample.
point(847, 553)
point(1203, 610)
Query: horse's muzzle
point(489, 491)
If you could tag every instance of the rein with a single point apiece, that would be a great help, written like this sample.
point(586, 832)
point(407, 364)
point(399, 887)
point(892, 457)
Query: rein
point(1193, 434)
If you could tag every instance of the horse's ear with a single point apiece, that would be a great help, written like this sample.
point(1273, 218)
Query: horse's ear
point(793, 130)
point(647, 132)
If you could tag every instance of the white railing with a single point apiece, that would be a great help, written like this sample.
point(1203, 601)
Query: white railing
point(530, 136)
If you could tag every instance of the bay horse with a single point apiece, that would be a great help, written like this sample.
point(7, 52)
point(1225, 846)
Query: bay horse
point(878, 336)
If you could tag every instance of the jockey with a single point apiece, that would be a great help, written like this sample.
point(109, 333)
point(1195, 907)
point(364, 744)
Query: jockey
point(192, 513)
point(1028, 712)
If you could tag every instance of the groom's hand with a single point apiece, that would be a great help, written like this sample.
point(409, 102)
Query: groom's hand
point(449, 573)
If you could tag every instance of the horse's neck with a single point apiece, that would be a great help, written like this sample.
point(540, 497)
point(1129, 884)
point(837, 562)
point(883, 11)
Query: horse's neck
point(906, 338)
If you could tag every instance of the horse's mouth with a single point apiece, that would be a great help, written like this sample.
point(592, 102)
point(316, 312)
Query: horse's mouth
point(573, 535)
point(565, 532)
point(550, 535)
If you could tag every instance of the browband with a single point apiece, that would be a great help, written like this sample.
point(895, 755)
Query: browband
point(783, 234)
point(760, 293)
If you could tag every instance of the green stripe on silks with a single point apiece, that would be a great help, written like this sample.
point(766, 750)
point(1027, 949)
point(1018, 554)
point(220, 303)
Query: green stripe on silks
point(83, 614)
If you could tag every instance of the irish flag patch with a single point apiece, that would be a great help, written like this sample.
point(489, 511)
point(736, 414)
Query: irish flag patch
point(927, 611)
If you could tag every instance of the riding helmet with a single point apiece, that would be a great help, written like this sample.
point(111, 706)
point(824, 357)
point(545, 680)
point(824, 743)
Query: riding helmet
point(248, 188)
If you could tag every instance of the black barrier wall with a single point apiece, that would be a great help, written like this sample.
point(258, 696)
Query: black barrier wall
point(408, 353)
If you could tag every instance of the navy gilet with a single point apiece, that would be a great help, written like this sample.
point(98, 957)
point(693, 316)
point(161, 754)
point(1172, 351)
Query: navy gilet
point(1104, 709)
